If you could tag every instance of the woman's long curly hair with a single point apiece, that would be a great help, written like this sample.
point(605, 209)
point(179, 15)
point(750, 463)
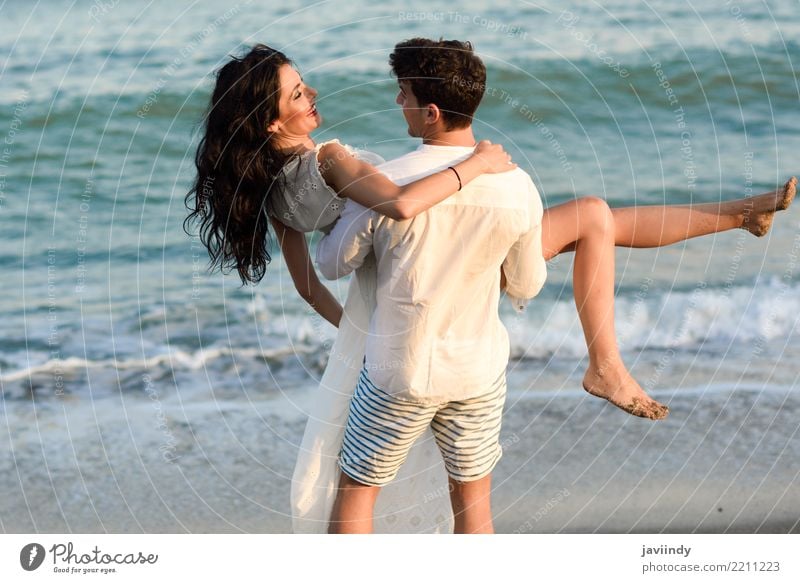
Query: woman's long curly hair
point(238, 164)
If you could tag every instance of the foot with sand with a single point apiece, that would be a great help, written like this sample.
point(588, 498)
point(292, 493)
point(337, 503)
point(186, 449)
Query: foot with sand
point(618, 387)
point(757, 217)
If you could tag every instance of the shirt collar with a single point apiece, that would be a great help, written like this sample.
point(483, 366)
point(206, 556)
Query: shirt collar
point(432, 147)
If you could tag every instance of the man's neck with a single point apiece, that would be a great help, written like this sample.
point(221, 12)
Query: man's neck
point(461, 137)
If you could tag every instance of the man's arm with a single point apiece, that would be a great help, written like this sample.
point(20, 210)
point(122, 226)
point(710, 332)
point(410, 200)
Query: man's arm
point(524, 267)
point(345, 247)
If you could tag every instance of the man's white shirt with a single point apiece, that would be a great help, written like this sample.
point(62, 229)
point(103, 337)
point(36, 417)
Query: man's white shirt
point(436, 334)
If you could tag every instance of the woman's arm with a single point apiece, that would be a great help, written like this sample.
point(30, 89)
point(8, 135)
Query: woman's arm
point(295, 252)
point(362, 182)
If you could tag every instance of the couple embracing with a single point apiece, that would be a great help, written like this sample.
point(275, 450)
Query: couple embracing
point(410, 404)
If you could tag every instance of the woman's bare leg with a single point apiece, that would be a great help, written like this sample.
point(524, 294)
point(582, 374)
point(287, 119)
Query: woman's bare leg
point(655, 226)
point(587, 226)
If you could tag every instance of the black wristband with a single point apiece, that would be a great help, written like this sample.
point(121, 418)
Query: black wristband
point(457, 176)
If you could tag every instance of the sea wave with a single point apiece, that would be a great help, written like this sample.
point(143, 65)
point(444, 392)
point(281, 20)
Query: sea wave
point(256, 343)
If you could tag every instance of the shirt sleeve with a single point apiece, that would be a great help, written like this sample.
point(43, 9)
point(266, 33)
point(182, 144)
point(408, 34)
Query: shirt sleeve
point(524, 266)
point(345, 247)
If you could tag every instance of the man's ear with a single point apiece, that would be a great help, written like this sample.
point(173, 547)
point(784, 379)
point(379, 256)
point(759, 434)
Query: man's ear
point(432, 114)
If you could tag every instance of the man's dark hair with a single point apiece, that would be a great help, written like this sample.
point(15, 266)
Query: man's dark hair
point(446, 73)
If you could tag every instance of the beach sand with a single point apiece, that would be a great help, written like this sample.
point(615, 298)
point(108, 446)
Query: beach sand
point(726, 460)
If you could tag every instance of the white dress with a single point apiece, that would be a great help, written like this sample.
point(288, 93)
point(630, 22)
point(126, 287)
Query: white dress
point(417, 500)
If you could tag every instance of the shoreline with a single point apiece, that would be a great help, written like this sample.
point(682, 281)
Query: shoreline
point(722, 462)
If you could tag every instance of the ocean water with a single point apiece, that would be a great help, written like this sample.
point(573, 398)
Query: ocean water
point(639, 103)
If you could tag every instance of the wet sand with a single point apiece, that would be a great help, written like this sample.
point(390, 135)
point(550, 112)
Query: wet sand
point(724, 461)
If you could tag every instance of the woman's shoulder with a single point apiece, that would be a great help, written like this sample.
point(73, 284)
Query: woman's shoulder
point(329, 153)
point(304, 201)
point(333, 150)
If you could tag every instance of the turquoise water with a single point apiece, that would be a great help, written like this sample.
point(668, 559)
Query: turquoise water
point(636, 102)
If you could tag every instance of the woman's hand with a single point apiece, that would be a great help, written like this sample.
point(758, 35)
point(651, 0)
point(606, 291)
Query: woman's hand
point(494, 157)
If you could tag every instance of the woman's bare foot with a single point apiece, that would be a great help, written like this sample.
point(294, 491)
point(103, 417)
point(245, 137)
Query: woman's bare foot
point(617, 386)
point(760, 210)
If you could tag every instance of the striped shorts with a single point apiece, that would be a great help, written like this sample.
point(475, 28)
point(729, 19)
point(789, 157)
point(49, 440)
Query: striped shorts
point(381, 429)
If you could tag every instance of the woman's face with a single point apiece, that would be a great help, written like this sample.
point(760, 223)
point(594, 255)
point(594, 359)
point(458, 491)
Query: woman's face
point(298, 115)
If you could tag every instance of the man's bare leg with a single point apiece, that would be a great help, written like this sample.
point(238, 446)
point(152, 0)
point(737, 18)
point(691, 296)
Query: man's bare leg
point(472, 508)
point(353, 508)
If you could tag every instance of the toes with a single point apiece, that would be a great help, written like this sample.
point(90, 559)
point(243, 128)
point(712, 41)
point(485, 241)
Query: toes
point(660, 412)
point(648, 409)
point(642, 406)
point(789, 191)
